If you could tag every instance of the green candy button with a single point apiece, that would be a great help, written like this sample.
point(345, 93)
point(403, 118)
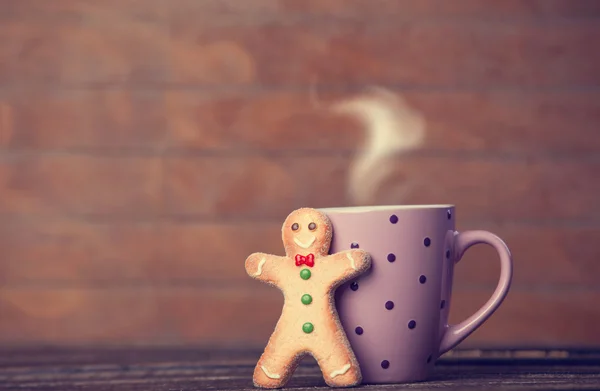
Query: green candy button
point(306, 299)
point(305, 274)
point(308, 327)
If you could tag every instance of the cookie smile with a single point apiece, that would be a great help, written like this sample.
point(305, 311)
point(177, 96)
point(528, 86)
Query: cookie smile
point(305, 245)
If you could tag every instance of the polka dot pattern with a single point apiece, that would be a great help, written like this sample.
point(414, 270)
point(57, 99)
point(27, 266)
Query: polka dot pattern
point(391, 258)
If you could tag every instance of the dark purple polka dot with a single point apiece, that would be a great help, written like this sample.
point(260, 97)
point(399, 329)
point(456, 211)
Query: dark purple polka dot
point(448, 254)
point(412, 324)
point(449, 214)
point(391, 257)
point(427, 242)
point(422, 279)
point(429, 359)
point(354, 245)
point(385, 364)
point(443, 304)
point(354, 286)
point(393, 219)
point(389, 305)
point(358, 330)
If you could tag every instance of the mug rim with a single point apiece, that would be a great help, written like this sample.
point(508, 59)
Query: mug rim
point(382, 208)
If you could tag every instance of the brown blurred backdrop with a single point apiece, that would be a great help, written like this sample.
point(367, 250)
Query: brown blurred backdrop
point(148, 147)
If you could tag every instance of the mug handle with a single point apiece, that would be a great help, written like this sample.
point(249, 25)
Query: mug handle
point(455, 334)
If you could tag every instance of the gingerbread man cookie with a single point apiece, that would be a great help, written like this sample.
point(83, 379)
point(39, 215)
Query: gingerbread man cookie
point(309, 322)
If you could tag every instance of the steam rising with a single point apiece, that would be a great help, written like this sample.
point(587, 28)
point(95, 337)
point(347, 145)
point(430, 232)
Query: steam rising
point(391, 127)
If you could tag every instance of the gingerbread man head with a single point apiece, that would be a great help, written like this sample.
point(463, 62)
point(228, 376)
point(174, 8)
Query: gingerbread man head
point(307, 230)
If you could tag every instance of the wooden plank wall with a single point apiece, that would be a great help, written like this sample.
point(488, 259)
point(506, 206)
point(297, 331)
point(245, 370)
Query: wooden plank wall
point(147, 147)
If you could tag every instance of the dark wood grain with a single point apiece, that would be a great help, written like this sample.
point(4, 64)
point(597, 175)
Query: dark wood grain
point(200, 369)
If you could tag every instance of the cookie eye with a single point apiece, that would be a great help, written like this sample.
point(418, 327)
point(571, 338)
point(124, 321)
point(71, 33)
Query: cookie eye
point(295, 227)
point(312, 226)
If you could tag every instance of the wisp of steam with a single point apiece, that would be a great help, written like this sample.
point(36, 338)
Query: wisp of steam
point(392, 128)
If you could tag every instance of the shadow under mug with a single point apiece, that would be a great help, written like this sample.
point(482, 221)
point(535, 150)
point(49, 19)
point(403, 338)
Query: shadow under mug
point(396, 314)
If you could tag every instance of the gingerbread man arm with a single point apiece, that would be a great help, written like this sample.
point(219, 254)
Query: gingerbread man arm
point(264, 267)
point(349, 264)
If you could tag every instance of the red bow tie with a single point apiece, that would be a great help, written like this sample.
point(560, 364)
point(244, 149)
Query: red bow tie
point(308, 260)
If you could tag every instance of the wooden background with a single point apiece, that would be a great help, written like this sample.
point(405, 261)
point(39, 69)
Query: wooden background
point(147, 147)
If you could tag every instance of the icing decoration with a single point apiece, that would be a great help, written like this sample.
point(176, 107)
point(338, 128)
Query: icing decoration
point(308, 327)
point(270, 375)
point(260, 265)
point(308, 260)
point(341, 371)
point(351, 261)
point(306, 299)
point(305, 274)
point(305, 245)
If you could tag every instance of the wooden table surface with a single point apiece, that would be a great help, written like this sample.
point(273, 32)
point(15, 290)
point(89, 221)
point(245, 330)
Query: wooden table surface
point(150, 369)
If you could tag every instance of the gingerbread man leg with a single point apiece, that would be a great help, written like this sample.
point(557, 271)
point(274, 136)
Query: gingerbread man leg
point(277, 363)
point(338, 363)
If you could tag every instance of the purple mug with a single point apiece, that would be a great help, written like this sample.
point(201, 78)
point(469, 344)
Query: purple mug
point(396, 314)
